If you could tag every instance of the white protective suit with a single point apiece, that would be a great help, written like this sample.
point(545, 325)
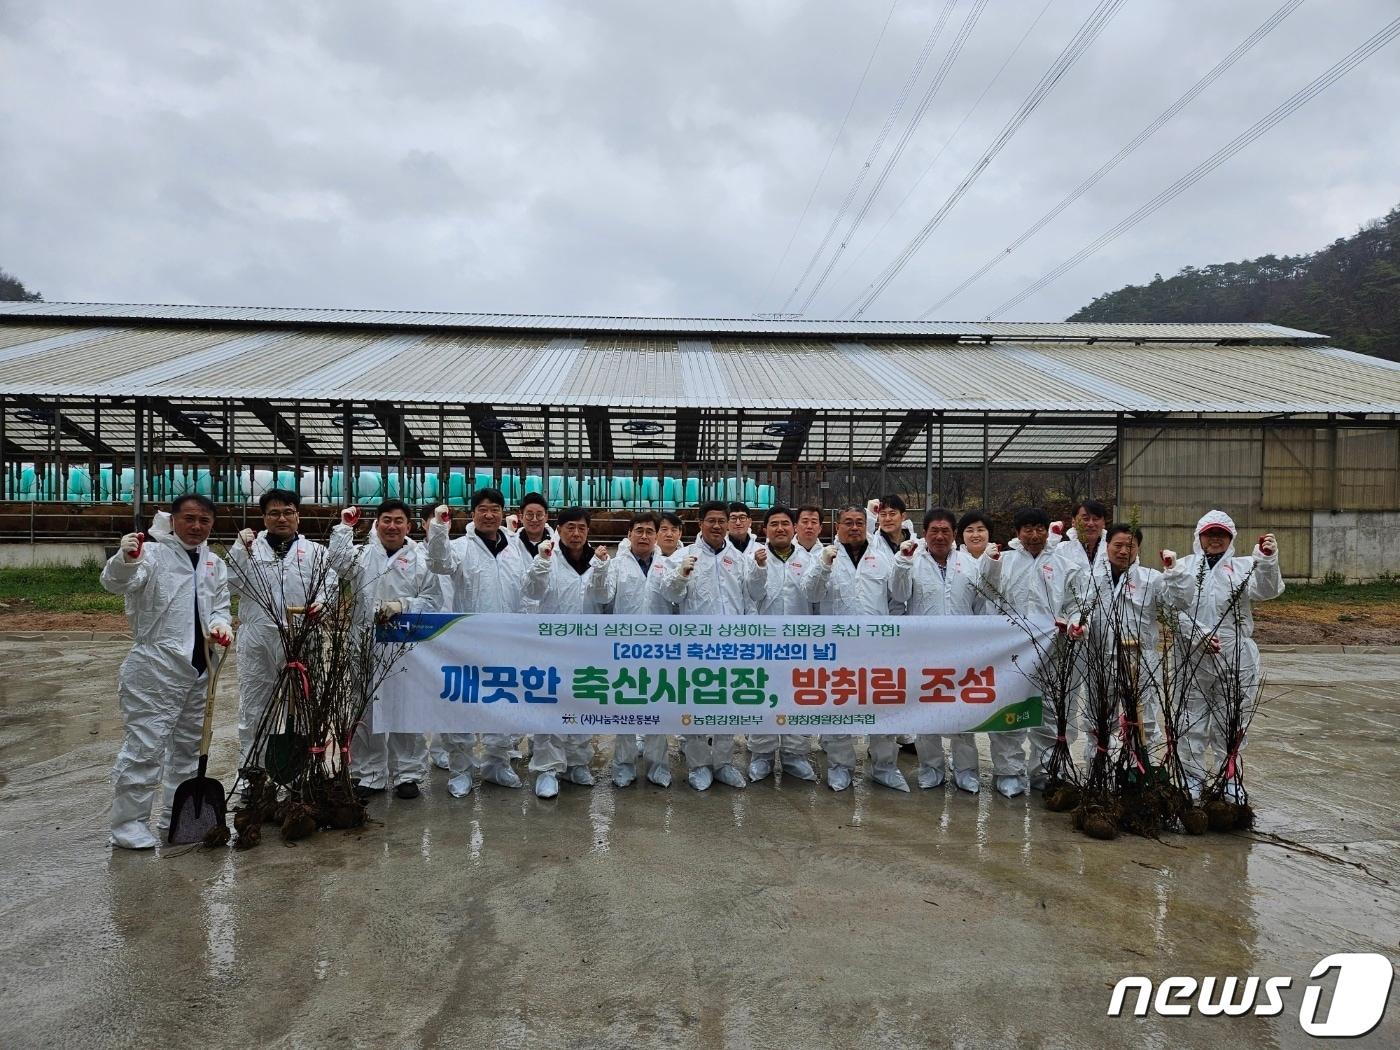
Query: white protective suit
point(923, 589)
point(299, 579)
point(1127, 609)
point(377, 576)
point(622, 587)
point(1033, 587)
point(723, 583)
point(847, 588)
point(785, 594)
point(481, 582)
point(1201, 595)
point(160, 692)
point(552, 585)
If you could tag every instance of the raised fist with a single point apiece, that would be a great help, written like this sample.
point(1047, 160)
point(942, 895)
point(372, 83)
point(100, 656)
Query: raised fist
point(601, 552)
point(314, 611)
point(247, 537)
point(131, 546)
point(688, 565)
point(350, 516)
point(760, 557)
point(908, 547)
point(441, 514)
point(546, 549)
point(1268, 545)
point(1057, 528)
point(513, 522)
point(1168, 559)
point(829, 553)
point(993, 552)
point(872, 506)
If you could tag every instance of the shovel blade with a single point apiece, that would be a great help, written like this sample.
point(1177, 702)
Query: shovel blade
point(198, 806)
point(284, 757)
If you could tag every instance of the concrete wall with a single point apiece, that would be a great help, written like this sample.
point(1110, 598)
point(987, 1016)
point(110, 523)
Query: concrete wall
point(26, 555)
point(1360, 545)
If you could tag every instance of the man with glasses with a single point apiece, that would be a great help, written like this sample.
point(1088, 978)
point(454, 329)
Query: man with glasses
point(176, 593)
point(1028, 581)
point(273, 570)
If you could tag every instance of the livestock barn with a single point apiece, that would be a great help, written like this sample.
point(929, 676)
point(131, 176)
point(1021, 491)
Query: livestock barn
point(109, 409)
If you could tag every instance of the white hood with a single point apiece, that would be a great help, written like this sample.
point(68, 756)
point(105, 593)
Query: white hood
point(1218, 518)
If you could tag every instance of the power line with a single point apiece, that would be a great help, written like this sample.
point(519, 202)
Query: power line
point(1087, 33)
point(1294, 102)
point(946, 143)
point(1241, 49)
point(879, 144)
point(830, 153)
point(964, 31)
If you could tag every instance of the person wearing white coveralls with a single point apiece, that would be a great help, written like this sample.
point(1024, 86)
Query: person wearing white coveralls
point(486, 571)
point(389, 575)
point(713, 579)
point(851, 578)
point(786, 595)
point(1127, 597)
point(930, 578)
point(629, 584)
point(558, 581)
point(175, 592)
point(1200, 588)
point(1031, 583)
point(280, 566)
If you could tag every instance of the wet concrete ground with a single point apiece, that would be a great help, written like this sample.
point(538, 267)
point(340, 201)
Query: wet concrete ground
point(781, 916)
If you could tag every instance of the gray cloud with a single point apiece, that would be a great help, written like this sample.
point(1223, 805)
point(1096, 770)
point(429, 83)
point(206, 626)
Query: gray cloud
point(636, 157)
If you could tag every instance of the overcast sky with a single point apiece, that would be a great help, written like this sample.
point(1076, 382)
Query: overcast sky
point(651, 157)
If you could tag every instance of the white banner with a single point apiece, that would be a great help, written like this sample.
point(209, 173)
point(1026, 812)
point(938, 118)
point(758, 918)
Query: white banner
point(495, 673)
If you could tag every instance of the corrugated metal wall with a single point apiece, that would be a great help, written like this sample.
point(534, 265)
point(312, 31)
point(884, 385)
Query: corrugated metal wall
point(1266, 478)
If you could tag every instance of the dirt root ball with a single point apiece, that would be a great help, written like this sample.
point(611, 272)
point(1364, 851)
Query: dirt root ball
point(1194, 821)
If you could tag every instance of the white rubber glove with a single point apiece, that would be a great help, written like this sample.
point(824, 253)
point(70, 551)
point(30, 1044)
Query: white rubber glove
point(1213, 643)
point(546, 548)
point(872, 506)
point(760, 557)
point(390, 607)
point(908, 547)
point(688, 564)
point(442, 514)
point(220, 633)
point(1168, 559)
point(131, 545)
point(513, 522)
point(1268, 545)
point(1057, 528)
point(350, 516)
point(601, 553)
point(993, 552)
point(314, 610)
point(247, 537)
point(829, 553)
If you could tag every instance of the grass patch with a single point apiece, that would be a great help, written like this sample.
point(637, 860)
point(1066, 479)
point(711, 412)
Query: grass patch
point(1374, 592)
point(57, 588)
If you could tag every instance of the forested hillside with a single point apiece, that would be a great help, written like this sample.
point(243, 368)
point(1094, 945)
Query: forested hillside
point(1349, 290)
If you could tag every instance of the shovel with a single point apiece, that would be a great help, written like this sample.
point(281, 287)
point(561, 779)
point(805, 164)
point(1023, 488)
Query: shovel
point(199, 802)
point(286, 752)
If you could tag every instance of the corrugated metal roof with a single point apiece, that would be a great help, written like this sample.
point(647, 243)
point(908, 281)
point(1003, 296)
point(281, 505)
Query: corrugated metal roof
point(272, 316)
point(522, 368)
